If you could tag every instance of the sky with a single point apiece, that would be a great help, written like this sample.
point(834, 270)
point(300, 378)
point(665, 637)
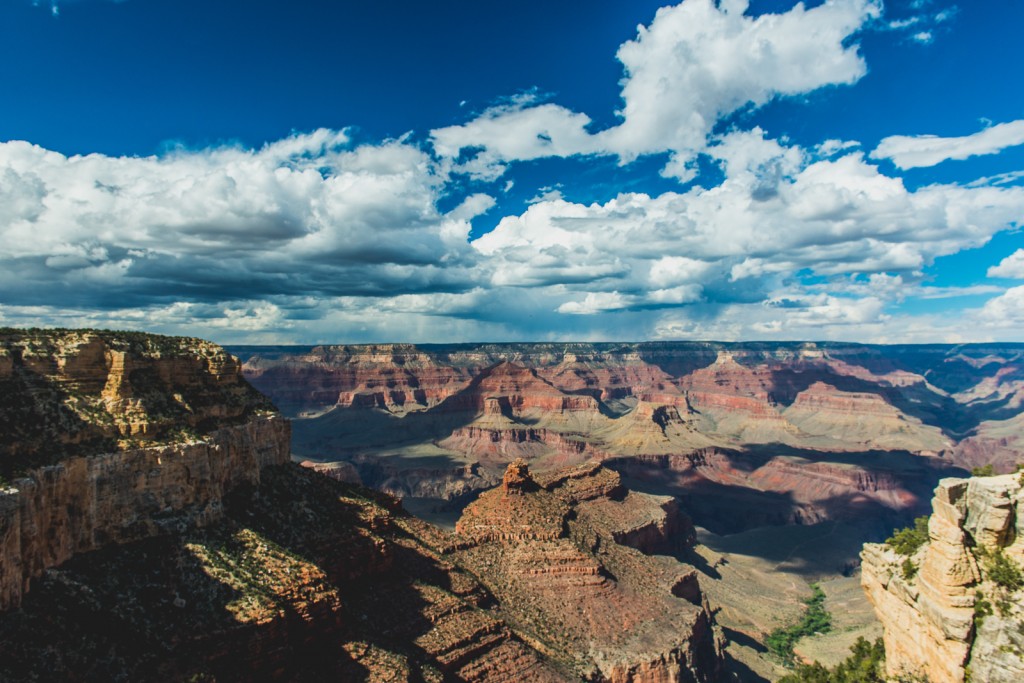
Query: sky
point(309, 171)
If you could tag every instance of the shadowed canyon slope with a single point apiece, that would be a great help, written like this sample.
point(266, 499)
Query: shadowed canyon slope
point(165, 536)
point(746, 434)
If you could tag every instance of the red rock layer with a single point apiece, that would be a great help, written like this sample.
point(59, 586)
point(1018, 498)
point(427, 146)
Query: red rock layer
point(727, 385)
point(513, 390)
point(391, 376)
point(605, 610)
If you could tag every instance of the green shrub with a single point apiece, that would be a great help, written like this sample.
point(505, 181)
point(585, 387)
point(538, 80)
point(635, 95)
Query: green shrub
point(907, 541)
point(909, 569)
point(1003, 571)
point(866, 664)
point(982, 609)
point(983, 471)
point(815, 620)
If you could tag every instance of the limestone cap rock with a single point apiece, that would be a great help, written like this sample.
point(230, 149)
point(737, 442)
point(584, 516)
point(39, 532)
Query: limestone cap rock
point(517, 479)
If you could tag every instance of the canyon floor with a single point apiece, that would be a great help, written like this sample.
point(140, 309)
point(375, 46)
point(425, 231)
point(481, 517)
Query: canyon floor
point(787, 457)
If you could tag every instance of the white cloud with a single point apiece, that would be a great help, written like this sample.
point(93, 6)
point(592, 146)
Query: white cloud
point(1005, 310)
point(1012, 266)
point(695, 63)
point(698, 61)
point(915, 151)
point(304, 215)
point(514, 132)
point(472, 206)
point(831, 217)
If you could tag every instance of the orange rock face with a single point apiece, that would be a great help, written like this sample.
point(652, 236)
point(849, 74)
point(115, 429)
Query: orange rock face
point(302, 578)
point(181, 426)
point(934, 620)
point(564, 551)
point(68, 393)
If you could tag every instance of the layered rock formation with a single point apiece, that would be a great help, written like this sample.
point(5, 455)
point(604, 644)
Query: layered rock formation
point(166, 537)
point(729, 491)
point(66, 392)
point(396, 377)
point(180, 424)
point(566, 553)
point(954, 605)
point(843, 414)
point(303, 579)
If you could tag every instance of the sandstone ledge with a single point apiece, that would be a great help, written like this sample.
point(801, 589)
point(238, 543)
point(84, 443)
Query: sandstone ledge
point(929, 619)
point(86, 503)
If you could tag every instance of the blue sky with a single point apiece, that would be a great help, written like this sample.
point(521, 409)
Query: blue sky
point(456, 171)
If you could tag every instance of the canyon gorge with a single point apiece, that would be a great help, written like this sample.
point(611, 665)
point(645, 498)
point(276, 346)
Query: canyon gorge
point(599, 512)
point(746, 435)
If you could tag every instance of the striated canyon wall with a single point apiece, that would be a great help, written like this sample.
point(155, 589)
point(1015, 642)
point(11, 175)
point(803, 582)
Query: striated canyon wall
point(112, 437)
point(86, 503)
point(585, 569)
point(953, 608)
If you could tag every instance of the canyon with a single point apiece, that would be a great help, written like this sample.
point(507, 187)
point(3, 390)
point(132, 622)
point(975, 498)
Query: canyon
point(604, 512)
point(746, 434)
point(152, 527)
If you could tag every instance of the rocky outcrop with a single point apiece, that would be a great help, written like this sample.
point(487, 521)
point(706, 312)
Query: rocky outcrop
point(565, 553)
point(861, 420)
point(303, 578)
point(66, 393)
point(180, 425)
point(87, 503)
point(947, 608)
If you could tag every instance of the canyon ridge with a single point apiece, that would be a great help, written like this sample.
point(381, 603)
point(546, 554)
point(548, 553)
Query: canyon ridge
point(598, 512)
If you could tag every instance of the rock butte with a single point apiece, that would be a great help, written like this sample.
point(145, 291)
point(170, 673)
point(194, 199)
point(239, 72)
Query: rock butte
point(929, 618)
point(573, 555)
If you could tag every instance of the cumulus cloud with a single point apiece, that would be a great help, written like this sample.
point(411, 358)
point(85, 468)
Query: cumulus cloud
point(778, 212)
point(1012, 266)
point(1006, 309)
point(518, 131)
point(314, 238)
point(916, 151)
point(306, 215)
point(697, 62)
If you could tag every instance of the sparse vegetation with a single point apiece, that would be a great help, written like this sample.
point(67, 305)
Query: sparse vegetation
point(1005, 574)
point(866, 664)
point(909, 569)
point(1003, 571)
point(982, 609)
point(815, 620)
point(983, 471)
point(909, 540)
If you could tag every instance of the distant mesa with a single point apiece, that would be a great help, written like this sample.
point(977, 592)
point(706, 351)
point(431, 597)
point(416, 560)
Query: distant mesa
point(780, 432)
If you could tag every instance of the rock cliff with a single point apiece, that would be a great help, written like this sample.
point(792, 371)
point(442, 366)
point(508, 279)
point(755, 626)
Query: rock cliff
point(567, 552)
point(304, 578)
point(66, 393)
point(112, 437)
point(953, 604)
point(445, 420)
